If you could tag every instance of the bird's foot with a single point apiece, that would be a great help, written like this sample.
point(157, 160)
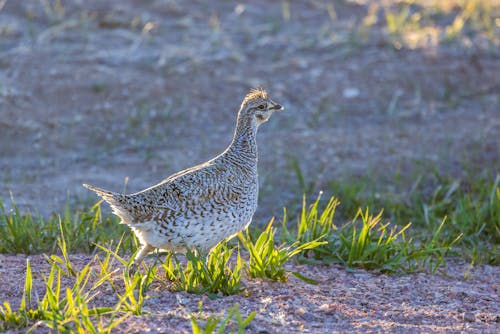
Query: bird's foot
point(134, 267)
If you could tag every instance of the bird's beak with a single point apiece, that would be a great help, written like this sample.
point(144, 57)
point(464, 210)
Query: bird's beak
point(278, 107)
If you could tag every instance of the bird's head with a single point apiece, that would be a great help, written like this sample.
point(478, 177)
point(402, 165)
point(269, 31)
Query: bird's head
point(258, 105)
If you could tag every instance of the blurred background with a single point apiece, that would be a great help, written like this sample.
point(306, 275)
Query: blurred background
point(383, 96)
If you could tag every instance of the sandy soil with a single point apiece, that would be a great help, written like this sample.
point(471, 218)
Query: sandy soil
point(357, 301)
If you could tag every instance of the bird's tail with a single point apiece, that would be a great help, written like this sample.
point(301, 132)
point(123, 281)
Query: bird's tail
point(108, 196)
point(114, 200)
point(101, 192)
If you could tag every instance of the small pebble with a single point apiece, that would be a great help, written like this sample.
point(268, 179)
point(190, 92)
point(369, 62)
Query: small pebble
point(351, 92)
point(469, 316)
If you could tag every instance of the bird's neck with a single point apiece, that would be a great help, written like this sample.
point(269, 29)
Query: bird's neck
point(244, 143)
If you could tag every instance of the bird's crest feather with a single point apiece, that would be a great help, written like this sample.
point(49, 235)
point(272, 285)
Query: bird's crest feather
point(256, 93)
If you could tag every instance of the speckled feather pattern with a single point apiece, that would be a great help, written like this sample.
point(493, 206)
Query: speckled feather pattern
point(202, 205)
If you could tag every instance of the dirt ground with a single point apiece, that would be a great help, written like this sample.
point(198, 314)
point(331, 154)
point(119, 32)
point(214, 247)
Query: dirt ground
point(98, 92)
point(115, 92)
point(341, 302)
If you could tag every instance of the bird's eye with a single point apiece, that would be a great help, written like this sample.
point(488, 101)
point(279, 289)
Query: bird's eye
point(262, 107)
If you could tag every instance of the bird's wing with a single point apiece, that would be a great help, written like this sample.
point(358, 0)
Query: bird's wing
point(171, 197)
point(181, 190)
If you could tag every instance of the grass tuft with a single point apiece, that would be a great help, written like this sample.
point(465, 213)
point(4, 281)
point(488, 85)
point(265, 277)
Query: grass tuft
point(365, 241)
point(312, 224)
point(267, 260)
point(62, 310)
point(368, 243)
point(212, 274)
point(226, 324)
point(470, 207)
point(26, 234)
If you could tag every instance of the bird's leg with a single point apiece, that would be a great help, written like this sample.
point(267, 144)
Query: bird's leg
point(145, 250)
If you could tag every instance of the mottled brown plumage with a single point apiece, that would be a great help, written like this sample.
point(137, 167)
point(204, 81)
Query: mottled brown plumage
point(205, 204)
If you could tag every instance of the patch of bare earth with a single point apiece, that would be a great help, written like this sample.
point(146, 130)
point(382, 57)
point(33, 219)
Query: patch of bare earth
point(97, 91)
point(342, 301)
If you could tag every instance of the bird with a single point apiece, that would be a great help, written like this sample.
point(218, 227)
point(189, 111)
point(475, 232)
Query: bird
point(198, 207)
